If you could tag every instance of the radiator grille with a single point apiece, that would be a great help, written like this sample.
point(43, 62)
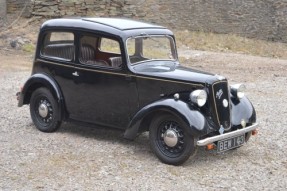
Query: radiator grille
point(221, 104)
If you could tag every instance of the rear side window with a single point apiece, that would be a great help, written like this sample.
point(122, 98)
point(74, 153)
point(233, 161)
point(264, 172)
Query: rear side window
point(59, 45)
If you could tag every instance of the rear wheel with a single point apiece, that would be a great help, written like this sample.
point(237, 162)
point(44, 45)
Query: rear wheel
point(170, 139)
point(44, 110)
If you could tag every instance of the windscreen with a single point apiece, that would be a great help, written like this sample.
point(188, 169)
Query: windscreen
point(151, 48)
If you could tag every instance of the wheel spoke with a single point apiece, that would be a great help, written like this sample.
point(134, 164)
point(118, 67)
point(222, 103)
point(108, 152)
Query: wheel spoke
point(172, 126)
point(44, 119)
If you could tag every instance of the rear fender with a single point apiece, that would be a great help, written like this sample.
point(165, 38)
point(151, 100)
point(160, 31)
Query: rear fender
point(193, 118)
point(41, 80)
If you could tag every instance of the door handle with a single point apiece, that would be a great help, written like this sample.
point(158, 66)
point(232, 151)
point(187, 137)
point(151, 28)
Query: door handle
point(75, 73)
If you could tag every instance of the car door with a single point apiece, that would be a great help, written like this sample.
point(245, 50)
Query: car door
point(104, 93)
point(56, 58)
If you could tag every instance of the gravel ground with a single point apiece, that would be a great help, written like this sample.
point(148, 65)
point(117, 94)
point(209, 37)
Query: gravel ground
point(83, 158)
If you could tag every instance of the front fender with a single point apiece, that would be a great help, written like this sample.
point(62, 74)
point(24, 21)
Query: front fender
point(242, 109)
point(193, 118)
point(36, 81)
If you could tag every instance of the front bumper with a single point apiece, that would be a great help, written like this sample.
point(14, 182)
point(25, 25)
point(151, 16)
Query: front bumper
point(213, 139)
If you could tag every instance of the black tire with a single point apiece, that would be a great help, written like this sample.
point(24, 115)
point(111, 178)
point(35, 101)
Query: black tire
point(178, 152)
point(46, 118)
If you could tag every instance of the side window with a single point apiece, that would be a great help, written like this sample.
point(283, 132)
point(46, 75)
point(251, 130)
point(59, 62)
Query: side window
point(98, 51)
point(131, 46)
point(87, 50)
point(59, 45)
point(110, 45)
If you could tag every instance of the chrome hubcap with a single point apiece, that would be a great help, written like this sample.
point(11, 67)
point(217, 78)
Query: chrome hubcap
point(170, 138)
point(43, 110)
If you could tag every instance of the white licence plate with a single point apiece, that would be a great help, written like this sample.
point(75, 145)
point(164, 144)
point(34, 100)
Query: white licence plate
point(230, 143)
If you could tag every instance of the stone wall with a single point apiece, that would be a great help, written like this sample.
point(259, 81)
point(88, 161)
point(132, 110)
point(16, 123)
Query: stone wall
point(251, 18)
point(3, 11)
point(19, 6)
point(64, 8)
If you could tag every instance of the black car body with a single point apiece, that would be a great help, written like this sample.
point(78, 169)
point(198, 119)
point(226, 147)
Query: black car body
point(125, 74)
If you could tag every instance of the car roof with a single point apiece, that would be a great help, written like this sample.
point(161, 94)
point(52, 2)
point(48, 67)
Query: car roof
point(117, 26)
point(122, 24)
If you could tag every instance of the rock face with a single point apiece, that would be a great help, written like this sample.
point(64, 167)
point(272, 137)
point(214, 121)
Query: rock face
point(251, 18)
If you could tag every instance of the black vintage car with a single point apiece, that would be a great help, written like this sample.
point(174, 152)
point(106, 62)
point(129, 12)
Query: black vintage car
point(125, 74)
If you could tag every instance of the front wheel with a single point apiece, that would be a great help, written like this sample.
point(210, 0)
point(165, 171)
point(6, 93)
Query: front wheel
point(44, 110)
point(170, 139)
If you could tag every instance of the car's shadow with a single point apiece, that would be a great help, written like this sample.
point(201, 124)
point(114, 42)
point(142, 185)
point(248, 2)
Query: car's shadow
point(107, 134)
point(139, 146)
point(92, 131)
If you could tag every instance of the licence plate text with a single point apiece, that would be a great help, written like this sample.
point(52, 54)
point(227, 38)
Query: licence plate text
point(230, 143)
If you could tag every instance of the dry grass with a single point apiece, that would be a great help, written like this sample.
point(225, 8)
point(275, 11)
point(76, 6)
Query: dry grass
point(230, 43)
point(30, 48)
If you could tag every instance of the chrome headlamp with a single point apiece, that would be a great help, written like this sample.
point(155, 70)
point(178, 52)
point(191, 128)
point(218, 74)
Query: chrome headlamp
point(198, 97)
point(238, 90)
